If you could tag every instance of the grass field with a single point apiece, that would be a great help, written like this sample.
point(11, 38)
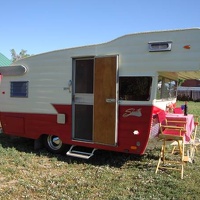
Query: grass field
point(29, 174)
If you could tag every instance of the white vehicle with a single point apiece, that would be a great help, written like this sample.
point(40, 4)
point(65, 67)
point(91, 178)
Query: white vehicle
point(100, 96)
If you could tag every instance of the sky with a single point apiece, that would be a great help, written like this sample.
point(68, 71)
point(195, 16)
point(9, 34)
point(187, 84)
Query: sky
point(45, 25)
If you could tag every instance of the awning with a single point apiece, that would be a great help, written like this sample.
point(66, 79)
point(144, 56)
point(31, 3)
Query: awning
point(181, 74)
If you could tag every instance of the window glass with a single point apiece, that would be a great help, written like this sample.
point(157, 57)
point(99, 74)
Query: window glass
point(84, 76)
point(19, 89)
point(135, 88)
point(166, 88)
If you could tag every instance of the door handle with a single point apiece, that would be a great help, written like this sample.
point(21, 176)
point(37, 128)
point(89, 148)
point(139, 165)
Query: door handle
point(110, 100)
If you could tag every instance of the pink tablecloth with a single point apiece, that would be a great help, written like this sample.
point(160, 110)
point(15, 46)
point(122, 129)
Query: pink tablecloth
point(189, 122)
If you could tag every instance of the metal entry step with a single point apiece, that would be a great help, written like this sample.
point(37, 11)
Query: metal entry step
point(76, 151)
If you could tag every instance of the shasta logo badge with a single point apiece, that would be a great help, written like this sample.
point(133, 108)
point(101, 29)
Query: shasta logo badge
point(133, 112)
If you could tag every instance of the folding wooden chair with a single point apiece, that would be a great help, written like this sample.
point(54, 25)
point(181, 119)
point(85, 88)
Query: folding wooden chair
point(176, 123)
point(191, 146)
point(194, 142)
point(169, 133)
point(196, 124)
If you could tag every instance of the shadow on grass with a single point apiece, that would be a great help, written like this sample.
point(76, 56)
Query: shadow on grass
point(100, 158)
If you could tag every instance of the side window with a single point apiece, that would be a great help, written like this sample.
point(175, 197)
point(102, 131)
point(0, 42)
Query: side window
point(160, 46)
point(135, 88)
point(166, 88)
point(19, 89)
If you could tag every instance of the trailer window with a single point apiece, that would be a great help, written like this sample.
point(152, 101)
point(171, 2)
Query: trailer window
point(135, 88)
point(166, 88)
point(160, 46)
point(19, 89)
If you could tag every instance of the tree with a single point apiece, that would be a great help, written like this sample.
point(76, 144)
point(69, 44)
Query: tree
point(180, 81)
point(19, 56)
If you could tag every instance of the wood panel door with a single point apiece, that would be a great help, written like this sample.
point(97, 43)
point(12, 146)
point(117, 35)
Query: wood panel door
point(105, 100)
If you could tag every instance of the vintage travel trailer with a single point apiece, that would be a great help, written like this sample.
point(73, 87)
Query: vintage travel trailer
point(100, 96)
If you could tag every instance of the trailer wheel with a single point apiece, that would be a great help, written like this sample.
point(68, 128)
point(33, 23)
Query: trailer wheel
point(54, 144)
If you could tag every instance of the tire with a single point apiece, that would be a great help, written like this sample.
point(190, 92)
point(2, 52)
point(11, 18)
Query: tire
point(54, 144)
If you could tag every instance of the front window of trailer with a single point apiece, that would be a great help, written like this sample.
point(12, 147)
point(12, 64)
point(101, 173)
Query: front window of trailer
point(136, 88)
point(19, 89)
point(166, 88)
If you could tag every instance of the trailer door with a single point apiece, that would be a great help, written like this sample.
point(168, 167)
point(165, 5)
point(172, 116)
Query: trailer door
point(105, 100)
point(95, 100)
